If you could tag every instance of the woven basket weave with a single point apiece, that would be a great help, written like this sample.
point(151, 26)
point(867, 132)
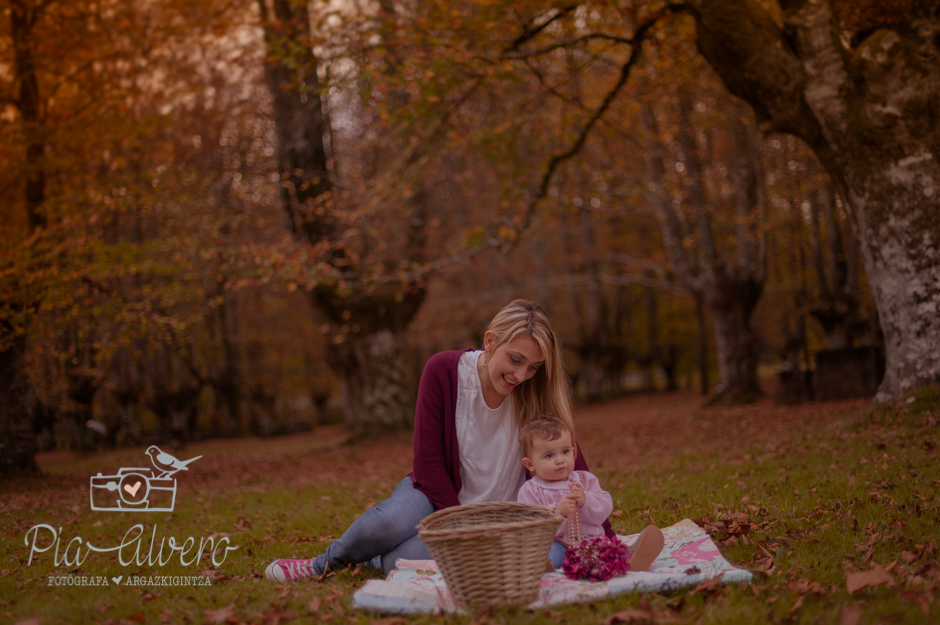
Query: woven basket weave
point(491, 554)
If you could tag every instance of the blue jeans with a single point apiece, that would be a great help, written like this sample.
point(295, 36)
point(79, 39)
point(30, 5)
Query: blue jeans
point(556, 554)
point(382, 534)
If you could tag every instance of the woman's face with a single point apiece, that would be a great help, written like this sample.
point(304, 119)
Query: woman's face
point(510, 364)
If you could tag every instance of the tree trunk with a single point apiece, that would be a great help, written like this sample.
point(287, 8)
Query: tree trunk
point(729, 284)
point(870, 115)
point(376, 381)
point(361, 323)
point(702, 342)
point(366, 350)
point(737, 344)
point(835, 273)
point(230, 382)
point(17, 439)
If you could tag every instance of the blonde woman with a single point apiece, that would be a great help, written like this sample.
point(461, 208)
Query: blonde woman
point(470, 407)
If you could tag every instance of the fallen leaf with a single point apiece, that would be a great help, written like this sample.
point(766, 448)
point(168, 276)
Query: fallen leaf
point(243, 525)
point(221, 615)
point(35, 620)
point(137, 617)
point(797, 604)
point(394, 620)
point(850, 615)
point(866, 546)
point(805, 586)
point(213, 575)
point(706, 585)
point(857, 581)
point(628, 616)
point(315, 604)
point(326, 573)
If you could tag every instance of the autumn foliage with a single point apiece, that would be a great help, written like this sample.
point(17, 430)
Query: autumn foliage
point(230, 218)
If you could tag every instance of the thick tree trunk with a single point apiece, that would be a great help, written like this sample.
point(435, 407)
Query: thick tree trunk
point(366, 350)
point(361, 324)
point(17, 436)
point(702, 343)
point(17, 439)
point(737, 344)
point(230, 382)
point(870, 114)
point(836, 273)
point(729, 284)
point(376, 381)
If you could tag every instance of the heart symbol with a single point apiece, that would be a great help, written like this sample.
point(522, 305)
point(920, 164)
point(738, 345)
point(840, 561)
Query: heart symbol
point(117, 580)
point(133, 491)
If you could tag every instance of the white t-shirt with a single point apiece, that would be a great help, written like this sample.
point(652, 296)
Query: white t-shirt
point(488, 439)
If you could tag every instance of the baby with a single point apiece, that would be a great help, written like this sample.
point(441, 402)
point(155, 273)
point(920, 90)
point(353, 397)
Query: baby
point(549, 455)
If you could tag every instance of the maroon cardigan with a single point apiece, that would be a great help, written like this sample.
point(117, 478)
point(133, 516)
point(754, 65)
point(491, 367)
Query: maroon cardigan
point(436, 467)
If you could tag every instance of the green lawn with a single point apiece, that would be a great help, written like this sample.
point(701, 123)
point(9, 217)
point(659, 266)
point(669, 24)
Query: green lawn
point(803, 511)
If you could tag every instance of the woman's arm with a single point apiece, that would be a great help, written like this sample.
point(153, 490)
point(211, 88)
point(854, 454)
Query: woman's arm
point(430, 471)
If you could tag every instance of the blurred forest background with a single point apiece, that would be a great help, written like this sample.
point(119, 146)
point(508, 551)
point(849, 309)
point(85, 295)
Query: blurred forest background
point(234, 217)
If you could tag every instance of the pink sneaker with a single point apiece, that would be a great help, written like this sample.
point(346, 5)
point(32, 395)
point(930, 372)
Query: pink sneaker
point(290, 570)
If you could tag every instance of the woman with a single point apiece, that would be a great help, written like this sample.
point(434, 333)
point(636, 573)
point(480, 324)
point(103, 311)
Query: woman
point(469, 410)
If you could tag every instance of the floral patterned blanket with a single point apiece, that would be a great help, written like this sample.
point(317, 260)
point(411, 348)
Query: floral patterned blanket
point(689, 558)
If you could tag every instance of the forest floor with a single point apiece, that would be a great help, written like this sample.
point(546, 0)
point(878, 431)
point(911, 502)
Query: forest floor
point(821, 492)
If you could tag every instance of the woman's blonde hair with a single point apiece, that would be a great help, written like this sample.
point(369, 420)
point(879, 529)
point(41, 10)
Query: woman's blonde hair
point(547, 392)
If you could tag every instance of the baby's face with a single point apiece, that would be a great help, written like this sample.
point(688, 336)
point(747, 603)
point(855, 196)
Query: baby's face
point(551, 460)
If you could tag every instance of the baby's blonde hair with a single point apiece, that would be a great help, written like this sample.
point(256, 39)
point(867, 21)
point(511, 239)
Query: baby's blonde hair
point(544, 427)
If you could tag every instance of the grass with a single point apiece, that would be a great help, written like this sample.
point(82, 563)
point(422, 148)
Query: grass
point(829, 497)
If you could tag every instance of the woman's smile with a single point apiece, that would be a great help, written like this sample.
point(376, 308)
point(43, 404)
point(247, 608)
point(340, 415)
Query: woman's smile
point(507, 366)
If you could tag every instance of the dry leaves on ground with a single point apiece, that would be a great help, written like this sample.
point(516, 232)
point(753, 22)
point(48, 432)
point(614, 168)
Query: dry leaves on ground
point(875, 577)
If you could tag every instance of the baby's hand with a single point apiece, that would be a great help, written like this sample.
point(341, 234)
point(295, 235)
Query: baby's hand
point(577, 492)
point(566, 506)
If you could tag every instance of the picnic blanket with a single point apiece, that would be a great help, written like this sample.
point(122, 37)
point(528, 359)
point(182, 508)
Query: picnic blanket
point(688, 559)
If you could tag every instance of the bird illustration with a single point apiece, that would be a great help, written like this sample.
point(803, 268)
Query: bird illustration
point(166, 463)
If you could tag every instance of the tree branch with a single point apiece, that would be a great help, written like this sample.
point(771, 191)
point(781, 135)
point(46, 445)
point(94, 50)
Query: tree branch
point(642, 32)
point(566, 44)
point(530, 30)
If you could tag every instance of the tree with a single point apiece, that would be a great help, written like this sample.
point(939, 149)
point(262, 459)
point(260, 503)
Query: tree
point(729, 281)
point(859, 82)
point(367, 322)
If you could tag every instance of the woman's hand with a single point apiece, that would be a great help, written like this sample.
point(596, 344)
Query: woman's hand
point(577, 493)
point(566, 505)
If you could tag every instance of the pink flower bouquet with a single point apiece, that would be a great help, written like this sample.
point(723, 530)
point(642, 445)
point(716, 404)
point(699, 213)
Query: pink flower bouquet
point(597, 560)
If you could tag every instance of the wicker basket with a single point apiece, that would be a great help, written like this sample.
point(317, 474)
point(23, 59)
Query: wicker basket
point(491, 554)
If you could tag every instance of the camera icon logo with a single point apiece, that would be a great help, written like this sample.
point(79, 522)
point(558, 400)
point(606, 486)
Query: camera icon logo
point(140, 488)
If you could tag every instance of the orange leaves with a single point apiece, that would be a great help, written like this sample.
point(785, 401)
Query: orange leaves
point(221, 615)
point(875, 577)
point(647, 613)
point(730, 530)
point(708, 586)
point(629, 616)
